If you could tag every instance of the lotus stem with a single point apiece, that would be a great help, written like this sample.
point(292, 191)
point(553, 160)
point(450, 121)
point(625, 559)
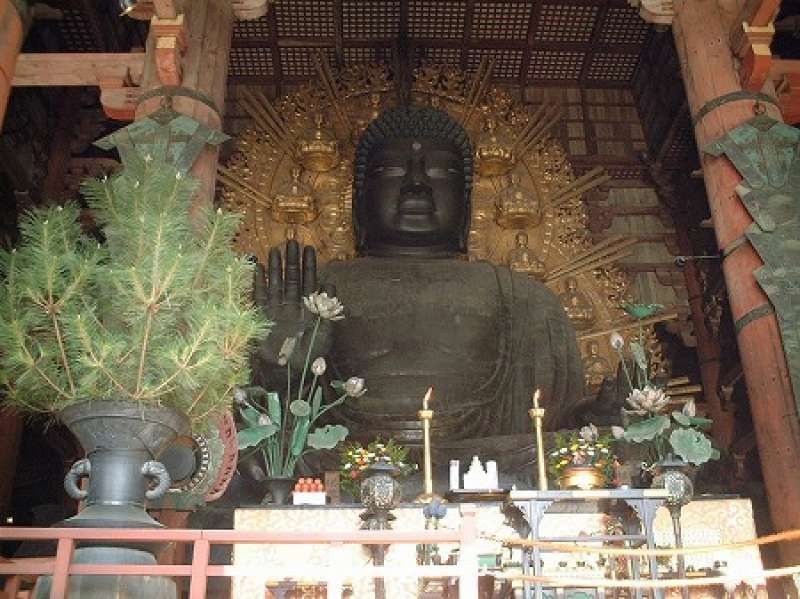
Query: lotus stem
point(625, 369)
point(308, 357)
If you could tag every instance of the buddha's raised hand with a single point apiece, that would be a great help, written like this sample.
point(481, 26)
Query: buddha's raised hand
point(280, 292)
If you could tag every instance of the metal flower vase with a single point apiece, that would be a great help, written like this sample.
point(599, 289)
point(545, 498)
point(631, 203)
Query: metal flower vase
point(676, 476)
point(279, 488)
point(380, 493)
point(122, 441)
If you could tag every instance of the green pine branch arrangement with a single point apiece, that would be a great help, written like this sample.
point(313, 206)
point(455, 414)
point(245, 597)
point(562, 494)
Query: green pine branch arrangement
point(158, 312)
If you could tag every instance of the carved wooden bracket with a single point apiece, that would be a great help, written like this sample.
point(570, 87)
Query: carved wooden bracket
point(116, 74)
point(170, 43)
point(751, 45)
point(119, 100)
point(658, 12)
point(759, 66)
point(243, 10)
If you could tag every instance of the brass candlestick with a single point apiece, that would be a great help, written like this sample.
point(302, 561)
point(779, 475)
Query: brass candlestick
point(426, 415)
point(537, 415)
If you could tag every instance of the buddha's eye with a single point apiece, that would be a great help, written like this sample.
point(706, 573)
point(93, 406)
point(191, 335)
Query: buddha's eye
point(388, 171)
point(441, 171)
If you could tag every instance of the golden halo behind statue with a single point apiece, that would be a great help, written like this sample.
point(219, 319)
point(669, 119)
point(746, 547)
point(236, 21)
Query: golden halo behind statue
point(292, 179)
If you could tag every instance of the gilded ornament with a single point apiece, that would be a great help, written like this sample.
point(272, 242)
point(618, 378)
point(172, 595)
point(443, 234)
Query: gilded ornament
point(494, 155)
point(294, 202)
point(518, 207)
point(319, 152)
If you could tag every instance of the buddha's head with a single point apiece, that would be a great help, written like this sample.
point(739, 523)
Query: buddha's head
point(412, 184)
point(522, 239)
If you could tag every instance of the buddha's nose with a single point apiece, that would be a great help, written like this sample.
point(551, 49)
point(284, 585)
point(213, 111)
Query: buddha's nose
point(416, 180)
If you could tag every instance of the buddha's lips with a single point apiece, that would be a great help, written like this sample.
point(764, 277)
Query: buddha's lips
point(416, 205)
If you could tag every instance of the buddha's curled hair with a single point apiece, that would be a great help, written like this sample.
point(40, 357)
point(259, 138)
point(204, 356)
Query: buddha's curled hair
point(409, 121)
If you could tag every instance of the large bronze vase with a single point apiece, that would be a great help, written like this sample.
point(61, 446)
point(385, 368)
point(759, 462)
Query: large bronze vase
point(122, 441)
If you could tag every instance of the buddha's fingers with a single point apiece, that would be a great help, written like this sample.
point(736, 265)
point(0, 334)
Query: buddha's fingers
point(260, 293)
point(291, 290)
point(275, 275)
point(309, 270)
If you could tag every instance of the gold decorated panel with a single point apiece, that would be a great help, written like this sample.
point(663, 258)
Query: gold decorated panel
point(704, 522)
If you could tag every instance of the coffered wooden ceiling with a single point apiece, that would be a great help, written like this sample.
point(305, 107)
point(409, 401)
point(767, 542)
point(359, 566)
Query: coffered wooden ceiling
point(593, 43)
point(550, 42)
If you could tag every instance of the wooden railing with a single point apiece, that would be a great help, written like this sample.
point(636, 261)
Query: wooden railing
point(333, 575)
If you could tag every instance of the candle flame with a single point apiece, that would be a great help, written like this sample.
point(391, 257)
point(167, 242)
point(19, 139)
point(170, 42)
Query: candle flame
point(427, 398)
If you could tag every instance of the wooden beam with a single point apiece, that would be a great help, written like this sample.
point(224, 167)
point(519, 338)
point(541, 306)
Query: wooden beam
point(66, 69)
point(165, 9)
point(765, 13)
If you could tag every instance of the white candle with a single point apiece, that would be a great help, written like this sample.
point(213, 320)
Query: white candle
point(427, 398)
point(455, 475)
point(536, 395)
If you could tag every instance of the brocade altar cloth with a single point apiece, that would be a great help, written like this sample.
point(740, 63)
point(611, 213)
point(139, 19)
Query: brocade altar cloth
point(705, 521)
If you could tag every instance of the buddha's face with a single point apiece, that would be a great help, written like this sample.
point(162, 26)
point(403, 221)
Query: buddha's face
point(414, 195)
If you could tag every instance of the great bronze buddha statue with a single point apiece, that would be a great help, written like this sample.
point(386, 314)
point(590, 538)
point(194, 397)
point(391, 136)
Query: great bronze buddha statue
point(417, 313)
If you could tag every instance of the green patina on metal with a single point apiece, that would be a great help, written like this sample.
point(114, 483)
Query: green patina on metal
point(765, 152)
point(164, 135)
point(758, 312)
point(731, 97)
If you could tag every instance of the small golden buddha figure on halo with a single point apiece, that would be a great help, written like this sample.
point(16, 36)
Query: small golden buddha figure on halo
point(578, 307)
point(318, 153)
point(361, 122)
point(595, 367)
point(494, 154)
point(294, 201)
point(339, 232)
point(523, 259)
point(517, 206)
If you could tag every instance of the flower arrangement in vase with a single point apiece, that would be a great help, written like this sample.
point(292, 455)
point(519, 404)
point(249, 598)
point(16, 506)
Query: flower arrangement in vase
point(669, 437)
point(583, 459)
point(278, 429)
point(357, 458)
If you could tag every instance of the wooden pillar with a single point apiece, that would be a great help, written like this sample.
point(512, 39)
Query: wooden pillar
point(208, 29)
point(707, 64)
point(53, 188)
point(11, 32)
point(708, 350)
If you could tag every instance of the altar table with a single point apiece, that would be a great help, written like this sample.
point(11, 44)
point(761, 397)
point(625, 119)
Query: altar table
point(705, 521)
